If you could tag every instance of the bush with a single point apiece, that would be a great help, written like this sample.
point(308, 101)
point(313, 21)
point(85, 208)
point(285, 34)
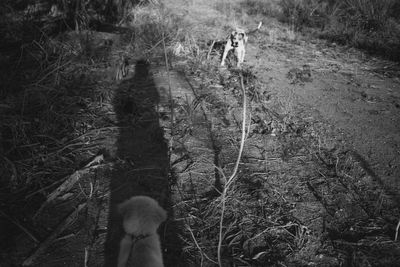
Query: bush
point(366, 24)
point(261, 7)
point(367, 14)
point(299, 13)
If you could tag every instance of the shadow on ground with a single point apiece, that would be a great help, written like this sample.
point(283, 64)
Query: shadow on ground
point(142, 167)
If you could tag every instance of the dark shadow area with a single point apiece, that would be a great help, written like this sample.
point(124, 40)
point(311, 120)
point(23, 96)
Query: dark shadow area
point(143, 164)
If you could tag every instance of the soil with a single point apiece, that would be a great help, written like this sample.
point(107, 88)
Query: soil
point(318, 180)
point(355, 93)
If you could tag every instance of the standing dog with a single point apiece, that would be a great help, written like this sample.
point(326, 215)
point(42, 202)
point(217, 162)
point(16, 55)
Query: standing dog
point(140, 247)
point(237, 41)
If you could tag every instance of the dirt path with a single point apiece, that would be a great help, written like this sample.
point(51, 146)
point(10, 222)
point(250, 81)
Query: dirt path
point(358, 96)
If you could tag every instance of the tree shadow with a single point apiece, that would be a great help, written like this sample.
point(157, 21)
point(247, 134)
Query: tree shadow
point(143, 162)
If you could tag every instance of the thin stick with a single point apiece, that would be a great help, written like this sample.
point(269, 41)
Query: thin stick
point(233, 175)
point(157, 44)
point(202, 254)
point(248, 126)
point(86, 260)
point(20, 226)
point(209, 51)
point(64, 187)
point(49, 240)
point(51, 72)
point(14, 177)
point(71, 181)
point(397, 232)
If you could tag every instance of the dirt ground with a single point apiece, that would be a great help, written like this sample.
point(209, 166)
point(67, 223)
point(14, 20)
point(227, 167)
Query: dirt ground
point(358, 95)
point(317, 183)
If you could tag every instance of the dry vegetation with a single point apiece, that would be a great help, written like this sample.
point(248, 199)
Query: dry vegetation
point(373, 25)
point(57, 101)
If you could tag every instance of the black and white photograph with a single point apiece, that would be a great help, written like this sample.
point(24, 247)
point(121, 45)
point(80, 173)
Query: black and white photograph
point(200, 133)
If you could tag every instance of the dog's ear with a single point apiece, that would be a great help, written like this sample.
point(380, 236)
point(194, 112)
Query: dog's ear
point(246, 38)
point(159, 215)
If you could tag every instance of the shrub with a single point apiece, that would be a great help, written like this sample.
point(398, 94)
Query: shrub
point(261, 7)
point(373, 25)
point(367, 14)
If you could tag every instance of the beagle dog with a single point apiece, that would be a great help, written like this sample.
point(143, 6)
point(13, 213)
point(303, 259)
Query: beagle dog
point(237, 41)
point(140, 246)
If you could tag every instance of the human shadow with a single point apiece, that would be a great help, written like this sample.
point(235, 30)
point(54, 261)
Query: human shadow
point(142, 168)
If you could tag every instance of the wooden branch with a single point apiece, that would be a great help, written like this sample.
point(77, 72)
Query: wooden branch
point(71, 181)
point(64, 187)
point(49, 240)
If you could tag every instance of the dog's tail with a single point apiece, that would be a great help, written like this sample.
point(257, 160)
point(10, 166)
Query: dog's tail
point(256, 29)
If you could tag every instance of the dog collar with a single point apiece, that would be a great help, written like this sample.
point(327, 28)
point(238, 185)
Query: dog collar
point(137, 238)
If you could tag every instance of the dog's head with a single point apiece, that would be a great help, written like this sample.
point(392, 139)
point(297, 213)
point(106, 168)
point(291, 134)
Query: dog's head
point(237, 37)
point(142, 215)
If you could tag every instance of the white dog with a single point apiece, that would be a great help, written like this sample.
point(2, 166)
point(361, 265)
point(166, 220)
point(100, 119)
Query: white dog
point(237, 41)
point(140, 247)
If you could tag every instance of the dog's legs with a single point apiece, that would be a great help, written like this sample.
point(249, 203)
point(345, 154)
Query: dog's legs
point(240, 57)
point(124, 250)
point(227, 48)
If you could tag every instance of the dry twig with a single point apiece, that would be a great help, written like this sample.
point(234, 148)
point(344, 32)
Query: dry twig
point(202, 253)
point(14, 221)
point(70, 182)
